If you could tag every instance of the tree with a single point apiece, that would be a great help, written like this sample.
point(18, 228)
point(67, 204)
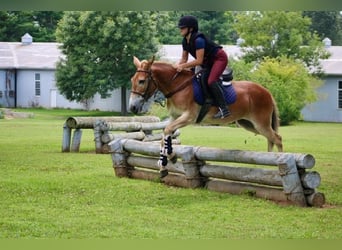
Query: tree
point(279, 33)
point(215, 24)
point(41, 25)
point(326, 24)
point(99, 49)
point(168, 32)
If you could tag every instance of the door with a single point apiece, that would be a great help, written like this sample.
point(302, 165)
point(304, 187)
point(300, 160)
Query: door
point(53, 98)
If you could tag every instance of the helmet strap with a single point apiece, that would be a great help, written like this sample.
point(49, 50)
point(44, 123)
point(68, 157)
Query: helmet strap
point(187, 33)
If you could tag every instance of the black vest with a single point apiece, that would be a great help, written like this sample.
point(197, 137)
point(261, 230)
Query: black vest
point(209, 50)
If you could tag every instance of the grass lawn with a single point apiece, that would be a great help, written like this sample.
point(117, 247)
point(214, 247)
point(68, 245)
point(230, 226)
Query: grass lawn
point(52, 195)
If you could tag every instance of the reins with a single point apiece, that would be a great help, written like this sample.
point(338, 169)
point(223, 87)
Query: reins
point(183, 85)
point(180, 87)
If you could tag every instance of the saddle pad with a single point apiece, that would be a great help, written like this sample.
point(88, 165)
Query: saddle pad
point(229, 93)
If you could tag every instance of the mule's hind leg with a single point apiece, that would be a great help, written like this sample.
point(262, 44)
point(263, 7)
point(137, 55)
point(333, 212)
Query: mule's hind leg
point(272, 138)
point(278, 142)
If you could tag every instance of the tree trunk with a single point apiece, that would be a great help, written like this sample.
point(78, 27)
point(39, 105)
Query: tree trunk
point(123, 101)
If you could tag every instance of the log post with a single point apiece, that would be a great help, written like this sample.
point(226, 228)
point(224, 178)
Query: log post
point(97, 137)
point(119, 158)
point(76, 140)
point(191, 169)
point(291, 180)
point(66, 138)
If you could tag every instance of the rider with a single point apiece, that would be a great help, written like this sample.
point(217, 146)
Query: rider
point(207, 54)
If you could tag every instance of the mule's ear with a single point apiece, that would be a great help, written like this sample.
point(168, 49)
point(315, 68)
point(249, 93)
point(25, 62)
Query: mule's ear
point(136, 62)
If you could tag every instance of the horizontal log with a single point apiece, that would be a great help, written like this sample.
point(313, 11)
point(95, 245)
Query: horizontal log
point(107, 137)
point(144, 175)
point(132, 126)
point(316, 199)
point(152, 163)
point(251, 157)
point(244, 174)
point(171, 179)
point(224, 155)
point(159, 136)
point(181, 181)
point(310, 179)
point(269, 193)
point(88, 122)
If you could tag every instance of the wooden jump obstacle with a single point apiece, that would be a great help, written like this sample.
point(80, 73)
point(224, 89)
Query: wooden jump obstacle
point(138, 127)
point(291, 183)
point(142, 131)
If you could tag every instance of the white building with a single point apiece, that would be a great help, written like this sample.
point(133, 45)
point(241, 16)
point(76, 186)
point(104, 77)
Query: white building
point(27, 79)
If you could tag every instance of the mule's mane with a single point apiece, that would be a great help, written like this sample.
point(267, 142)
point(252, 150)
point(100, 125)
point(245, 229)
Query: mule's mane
point(167, 66)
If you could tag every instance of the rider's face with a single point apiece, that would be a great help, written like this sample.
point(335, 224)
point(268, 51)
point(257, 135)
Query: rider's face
point(184, 31)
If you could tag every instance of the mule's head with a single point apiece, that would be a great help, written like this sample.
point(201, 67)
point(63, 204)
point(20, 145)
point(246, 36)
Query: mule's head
point(143, 87)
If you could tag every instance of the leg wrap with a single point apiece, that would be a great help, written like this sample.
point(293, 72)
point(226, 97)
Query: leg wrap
point(162, 162)
point(168, 145)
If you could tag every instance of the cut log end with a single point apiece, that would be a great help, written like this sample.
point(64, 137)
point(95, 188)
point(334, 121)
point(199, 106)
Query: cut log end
point(316, 199)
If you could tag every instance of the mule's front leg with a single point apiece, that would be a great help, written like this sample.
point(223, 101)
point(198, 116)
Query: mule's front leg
point(166, 152)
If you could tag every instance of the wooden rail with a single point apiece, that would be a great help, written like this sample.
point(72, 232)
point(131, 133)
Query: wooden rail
point(290, 181)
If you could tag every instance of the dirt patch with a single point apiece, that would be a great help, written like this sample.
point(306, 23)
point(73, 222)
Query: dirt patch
point(9, 114)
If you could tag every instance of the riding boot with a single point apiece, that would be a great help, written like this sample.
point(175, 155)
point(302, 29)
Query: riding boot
point(217, 94)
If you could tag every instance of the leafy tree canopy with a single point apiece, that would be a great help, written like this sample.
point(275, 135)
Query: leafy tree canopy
point(41, 25)
point(217, 25)
point(99, 49)
point(279, 33)
point(326, 24)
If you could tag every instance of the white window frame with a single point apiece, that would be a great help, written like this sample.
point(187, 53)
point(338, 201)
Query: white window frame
point(37, 84)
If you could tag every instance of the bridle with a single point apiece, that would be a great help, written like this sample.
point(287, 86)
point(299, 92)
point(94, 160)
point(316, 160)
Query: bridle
point(145, 95)
point(150, 79)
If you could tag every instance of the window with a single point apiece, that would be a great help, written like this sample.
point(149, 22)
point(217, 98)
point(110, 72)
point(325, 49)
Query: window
point(37, 84)
point(340, 94)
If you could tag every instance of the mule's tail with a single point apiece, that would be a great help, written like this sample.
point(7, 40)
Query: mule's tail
point(275, 116)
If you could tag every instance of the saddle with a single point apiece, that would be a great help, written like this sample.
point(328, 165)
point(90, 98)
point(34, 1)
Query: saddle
point(202, 93)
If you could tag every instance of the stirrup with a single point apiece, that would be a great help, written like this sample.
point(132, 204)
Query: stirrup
point(222, 113)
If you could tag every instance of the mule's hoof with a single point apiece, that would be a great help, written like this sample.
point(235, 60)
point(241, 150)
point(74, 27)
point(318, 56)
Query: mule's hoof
point(173, 159)
point(163, 173)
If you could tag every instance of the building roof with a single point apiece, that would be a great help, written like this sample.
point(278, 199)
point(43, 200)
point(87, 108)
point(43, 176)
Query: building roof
point(39, 55)
point(29, 56)
point(333, 65)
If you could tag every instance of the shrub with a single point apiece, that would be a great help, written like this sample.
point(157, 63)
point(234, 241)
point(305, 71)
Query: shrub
point(289, 81)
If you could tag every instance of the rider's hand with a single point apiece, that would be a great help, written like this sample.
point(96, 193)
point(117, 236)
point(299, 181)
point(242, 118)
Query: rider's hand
point(178, 67)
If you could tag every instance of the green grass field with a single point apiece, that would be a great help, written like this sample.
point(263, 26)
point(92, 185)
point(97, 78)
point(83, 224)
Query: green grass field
point(52, 195)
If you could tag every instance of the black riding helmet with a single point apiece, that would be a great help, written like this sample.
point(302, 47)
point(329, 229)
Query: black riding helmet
point(188, 21)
